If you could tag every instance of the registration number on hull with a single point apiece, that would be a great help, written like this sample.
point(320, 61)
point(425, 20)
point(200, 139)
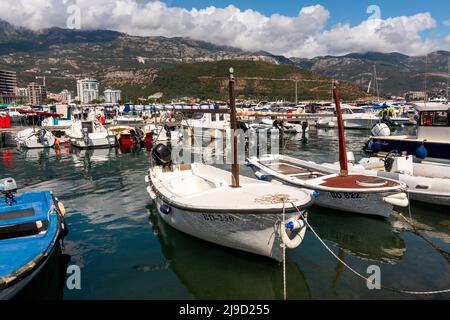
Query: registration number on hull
point(345, 195)
point(218, 217)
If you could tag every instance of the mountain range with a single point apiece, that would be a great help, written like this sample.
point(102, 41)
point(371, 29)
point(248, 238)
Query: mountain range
point(144, 65)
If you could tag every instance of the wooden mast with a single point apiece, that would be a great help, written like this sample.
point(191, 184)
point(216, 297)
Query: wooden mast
point(342, 145)
point(235, 165)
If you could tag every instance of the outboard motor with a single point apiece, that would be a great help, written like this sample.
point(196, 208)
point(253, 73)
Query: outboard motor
point(304, 126)
point(242, 126)
point(278, 124)
point(8, 187)
point(380, 130)
point(168, 132)
point(41, 135)
point(162, 155)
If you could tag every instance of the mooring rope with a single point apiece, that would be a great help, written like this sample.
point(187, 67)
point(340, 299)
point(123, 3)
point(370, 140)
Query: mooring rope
point(405, 292)
point(417, 232)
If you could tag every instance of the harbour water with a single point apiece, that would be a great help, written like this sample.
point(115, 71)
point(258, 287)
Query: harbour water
point(125, 251)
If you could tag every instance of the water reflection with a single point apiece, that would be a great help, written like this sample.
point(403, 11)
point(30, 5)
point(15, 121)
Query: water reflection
point(49, 283)
point(212, 272)
point(366, 237)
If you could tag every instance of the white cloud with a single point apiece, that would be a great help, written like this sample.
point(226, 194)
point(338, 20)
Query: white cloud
point(446, 22)
point(302, 35)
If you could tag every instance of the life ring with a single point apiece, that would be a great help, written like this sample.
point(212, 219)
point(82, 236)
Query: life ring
point(297, 240)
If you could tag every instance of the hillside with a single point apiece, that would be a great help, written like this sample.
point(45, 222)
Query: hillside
point(141, 66)
point(255, 79)
point(397, 73)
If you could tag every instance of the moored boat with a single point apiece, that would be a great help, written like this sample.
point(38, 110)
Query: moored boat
point(35, 138)
point(343, 191)
point(227, 209)
point(30, 226)
point(90, 134)
point(432, 141)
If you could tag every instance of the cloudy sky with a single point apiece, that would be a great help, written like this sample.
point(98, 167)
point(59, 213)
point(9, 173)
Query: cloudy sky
point(288, 27)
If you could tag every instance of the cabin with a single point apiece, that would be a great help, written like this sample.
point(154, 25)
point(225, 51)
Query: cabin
point(434, 122)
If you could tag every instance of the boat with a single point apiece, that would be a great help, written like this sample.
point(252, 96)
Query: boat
point(31, 225)
point(353, 117)
point(207, 124)
point(344, 191)
point(263, 280)
point(162, 133)
point(431, 142)
point(227, 209)
point(35, 138)
point(286, 127)
point(90, 134)
point(427, 182)
point(127, 136)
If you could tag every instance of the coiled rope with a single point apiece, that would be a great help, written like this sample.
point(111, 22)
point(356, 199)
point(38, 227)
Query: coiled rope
point(404, 292)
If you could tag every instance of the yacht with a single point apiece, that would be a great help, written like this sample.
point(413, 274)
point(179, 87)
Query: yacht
point(431, 142)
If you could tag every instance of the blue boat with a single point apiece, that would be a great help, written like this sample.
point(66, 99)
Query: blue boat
point(31, 225)
point(432, 141)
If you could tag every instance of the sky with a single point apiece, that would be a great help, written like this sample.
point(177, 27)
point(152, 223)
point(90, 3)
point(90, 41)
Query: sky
point(292, 28)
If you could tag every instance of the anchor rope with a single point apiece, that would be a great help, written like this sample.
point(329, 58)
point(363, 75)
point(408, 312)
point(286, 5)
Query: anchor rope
point(401, 291)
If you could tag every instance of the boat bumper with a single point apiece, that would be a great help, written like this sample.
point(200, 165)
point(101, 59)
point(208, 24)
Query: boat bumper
point(398, 199)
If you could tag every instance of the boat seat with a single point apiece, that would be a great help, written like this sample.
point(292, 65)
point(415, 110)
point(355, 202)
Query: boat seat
point(185, 186)
point(23, 230)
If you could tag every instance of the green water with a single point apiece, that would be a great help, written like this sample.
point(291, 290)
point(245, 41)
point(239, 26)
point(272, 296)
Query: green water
point(126, 252)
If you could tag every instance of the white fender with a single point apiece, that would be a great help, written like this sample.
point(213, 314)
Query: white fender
point(399, 200)
point(297, 240)
point(151, 193)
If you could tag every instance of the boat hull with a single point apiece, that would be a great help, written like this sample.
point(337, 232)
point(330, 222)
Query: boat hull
point(11, 291)
point(254, 233)
point(371, 204)
point(105, 142)
point(435, 150)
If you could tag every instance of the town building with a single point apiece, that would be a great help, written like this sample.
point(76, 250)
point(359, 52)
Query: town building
point(87, 90)
point(8, 86)
point(112, 96)
point(37, 93)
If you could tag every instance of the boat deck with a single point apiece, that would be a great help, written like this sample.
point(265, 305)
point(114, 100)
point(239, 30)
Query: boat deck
point(291, 169)
point(358, 182)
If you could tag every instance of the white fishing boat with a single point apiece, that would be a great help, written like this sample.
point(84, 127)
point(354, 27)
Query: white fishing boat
point(353, 117)
point(35, 138)
point(227, 209)
point(343, 191)
point(206, 124)
point(427, 182)
point(90, 134)
point(199, 200)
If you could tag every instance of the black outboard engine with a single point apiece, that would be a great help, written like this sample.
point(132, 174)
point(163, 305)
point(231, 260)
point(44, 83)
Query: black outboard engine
point(242, 126)
point(8, 187)
point(278, 124)
point(168, 132)
point(41, 135)
point(162, 155)
point(305, 125)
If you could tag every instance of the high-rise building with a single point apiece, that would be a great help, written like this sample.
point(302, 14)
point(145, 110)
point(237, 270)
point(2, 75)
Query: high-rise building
point(65, 96)
point(112, 96)
point(87, 90)
point(36, 93)
point(8, 86)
